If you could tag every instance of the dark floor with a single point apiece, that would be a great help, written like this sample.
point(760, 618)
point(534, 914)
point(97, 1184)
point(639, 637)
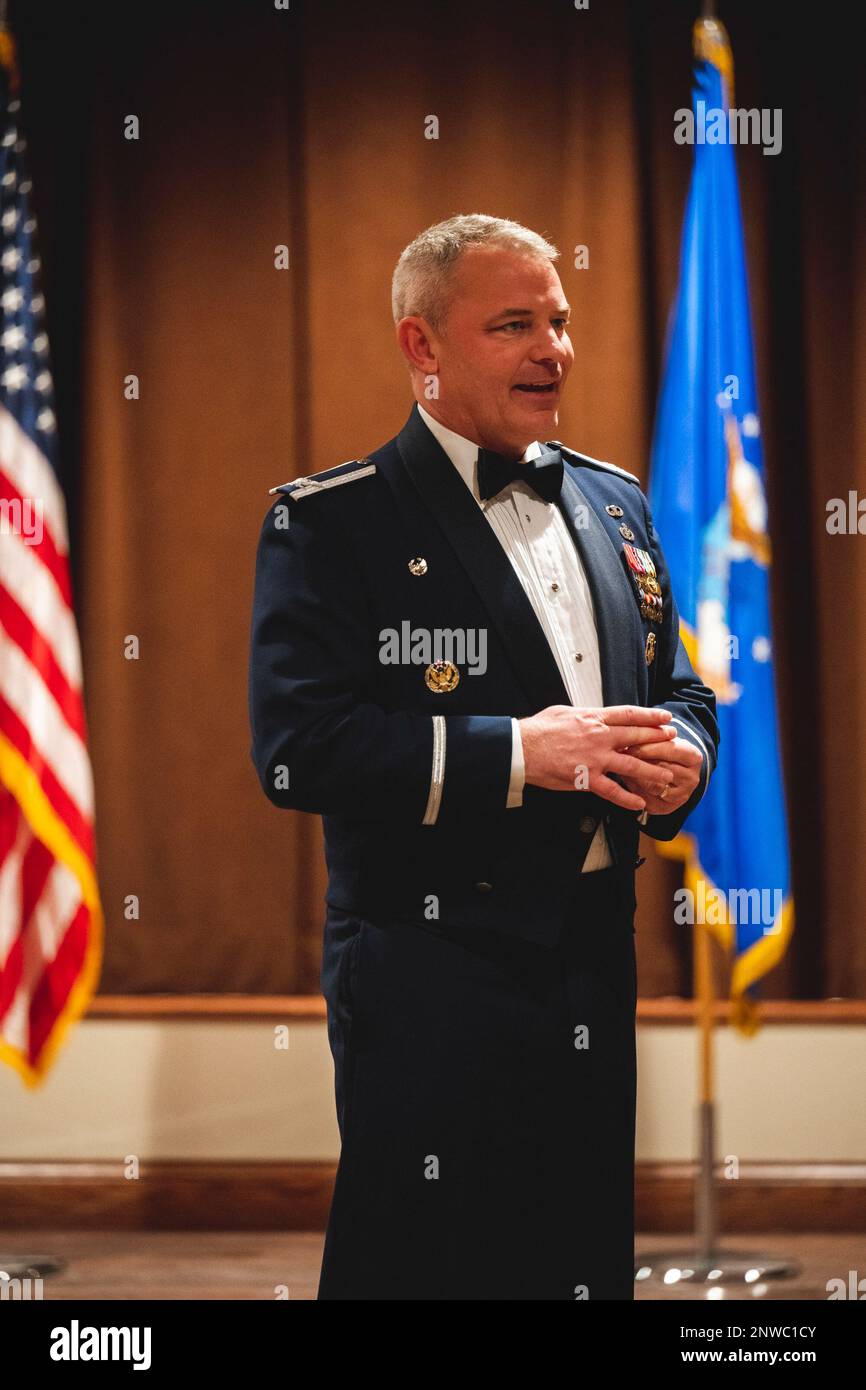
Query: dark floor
point(231, 1265)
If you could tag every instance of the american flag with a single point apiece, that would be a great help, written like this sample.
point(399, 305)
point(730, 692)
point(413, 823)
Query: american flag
point(50, 917)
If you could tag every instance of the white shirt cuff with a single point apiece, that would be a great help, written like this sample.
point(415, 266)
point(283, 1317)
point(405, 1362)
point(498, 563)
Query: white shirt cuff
point(518, 769)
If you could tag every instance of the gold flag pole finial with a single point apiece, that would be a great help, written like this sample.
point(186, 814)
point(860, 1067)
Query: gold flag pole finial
point(710, 43)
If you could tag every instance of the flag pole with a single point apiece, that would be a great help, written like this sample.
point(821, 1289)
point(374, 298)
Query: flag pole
point(705, 1262)
point(18, 1271)
point(705, 1192)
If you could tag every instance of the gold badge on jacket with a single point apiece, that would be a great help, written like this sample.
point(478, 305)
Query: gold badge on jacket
point(644, 574)
point(650, 649)
point(441, 676)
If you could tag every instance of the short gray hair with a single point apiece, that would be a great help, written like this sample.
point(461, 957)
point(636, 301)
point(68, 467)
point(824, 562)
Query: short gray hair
point(421, 277)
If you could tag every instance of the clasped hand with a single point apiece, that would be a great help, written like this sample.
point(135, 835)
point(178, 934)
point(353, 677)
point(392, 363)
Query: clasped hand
point(566, 747)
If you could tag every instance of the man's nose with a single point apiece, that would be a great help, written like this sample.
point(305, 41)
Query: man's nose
point(549, 347)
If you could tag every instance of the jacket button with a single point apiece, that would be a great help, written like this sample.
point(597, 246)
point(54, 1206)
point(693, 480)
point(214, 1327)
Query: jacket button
point(587, 825)
point(484, 887)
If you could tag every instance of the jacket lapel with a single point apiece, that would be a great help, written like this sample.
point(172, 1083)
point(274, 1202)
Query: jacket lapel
point(619, 634)
point(485, 562)
point(490, 571)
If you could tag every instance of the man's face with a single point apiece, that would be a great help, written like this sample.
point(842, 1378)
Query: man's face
point(504, 337)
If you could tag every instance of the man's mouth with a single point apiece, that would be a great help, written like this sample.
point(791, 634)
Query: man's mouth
point(542, 388)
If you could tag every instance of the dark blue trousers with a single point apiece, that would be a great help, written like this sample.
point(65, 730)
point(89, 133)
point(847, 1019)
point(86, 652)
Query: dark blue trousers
point(485, 1092)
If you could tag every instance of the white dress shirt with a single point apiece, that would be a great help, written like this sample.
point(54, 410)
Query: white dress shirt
point(534, 536)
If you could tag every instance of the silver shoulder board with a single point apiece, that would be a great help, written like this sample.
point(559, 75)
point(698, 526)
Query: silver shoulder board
point(318, 482)
point(594, 463)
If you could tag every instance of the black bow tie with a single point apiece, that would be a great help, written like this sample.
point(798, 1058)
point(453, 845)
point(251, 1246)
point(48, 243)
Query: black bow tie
point(544, 473)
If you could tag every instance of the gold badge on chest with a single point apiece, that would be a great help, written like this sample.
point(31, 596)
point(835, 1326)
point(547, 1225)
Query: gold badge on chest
point(441, 677)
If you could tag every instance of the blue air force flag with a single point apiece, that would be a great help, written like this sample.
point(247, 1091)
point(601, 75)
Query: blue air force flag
point(709, 504)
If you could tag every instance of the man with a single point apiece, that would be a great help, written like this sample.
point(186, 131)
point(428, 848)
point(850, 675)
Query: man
point(465, 657)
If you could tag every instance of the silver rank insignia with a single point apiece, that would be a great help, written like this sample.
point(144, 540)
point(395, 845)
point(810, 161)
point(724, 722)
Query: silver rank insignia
point(329, 477)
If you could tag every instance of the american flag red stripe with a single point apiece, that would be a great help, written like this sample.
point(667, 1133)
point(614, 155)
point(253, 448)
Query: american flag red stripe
point(51, 926)
point(55, 563)
point(20, 630)
point(57, 799)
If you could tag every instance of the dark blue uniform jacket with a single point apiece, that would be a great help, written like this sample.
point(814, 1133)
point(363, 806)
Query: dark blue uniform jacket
point(411, 781)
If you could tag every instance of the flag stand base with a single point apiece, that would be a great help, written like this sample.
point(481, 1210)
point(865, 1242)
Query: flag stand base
point(746, 1267)
point(706, 1262)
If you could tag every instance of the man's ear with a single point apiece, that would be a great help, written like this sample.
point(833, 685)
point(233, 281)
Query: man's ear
point(417, 342)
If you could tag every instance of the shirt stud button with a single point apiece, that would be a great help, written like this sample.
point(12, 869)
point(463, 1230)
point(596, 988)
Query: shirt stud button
point(578, 656)
point(555, 587)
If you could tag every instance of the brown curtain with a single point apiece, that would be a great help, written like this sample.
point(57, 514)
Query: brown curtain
point(261, 127)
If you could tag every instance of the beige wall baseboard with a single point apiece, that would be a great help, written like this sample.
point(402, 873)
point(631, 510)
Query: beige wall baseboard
point(295, 1197)
point(261, 1090)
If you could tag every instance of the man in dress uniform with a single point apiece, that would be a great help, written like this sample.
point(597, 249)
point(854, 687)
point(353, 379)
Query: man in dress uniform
point(465, 656)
